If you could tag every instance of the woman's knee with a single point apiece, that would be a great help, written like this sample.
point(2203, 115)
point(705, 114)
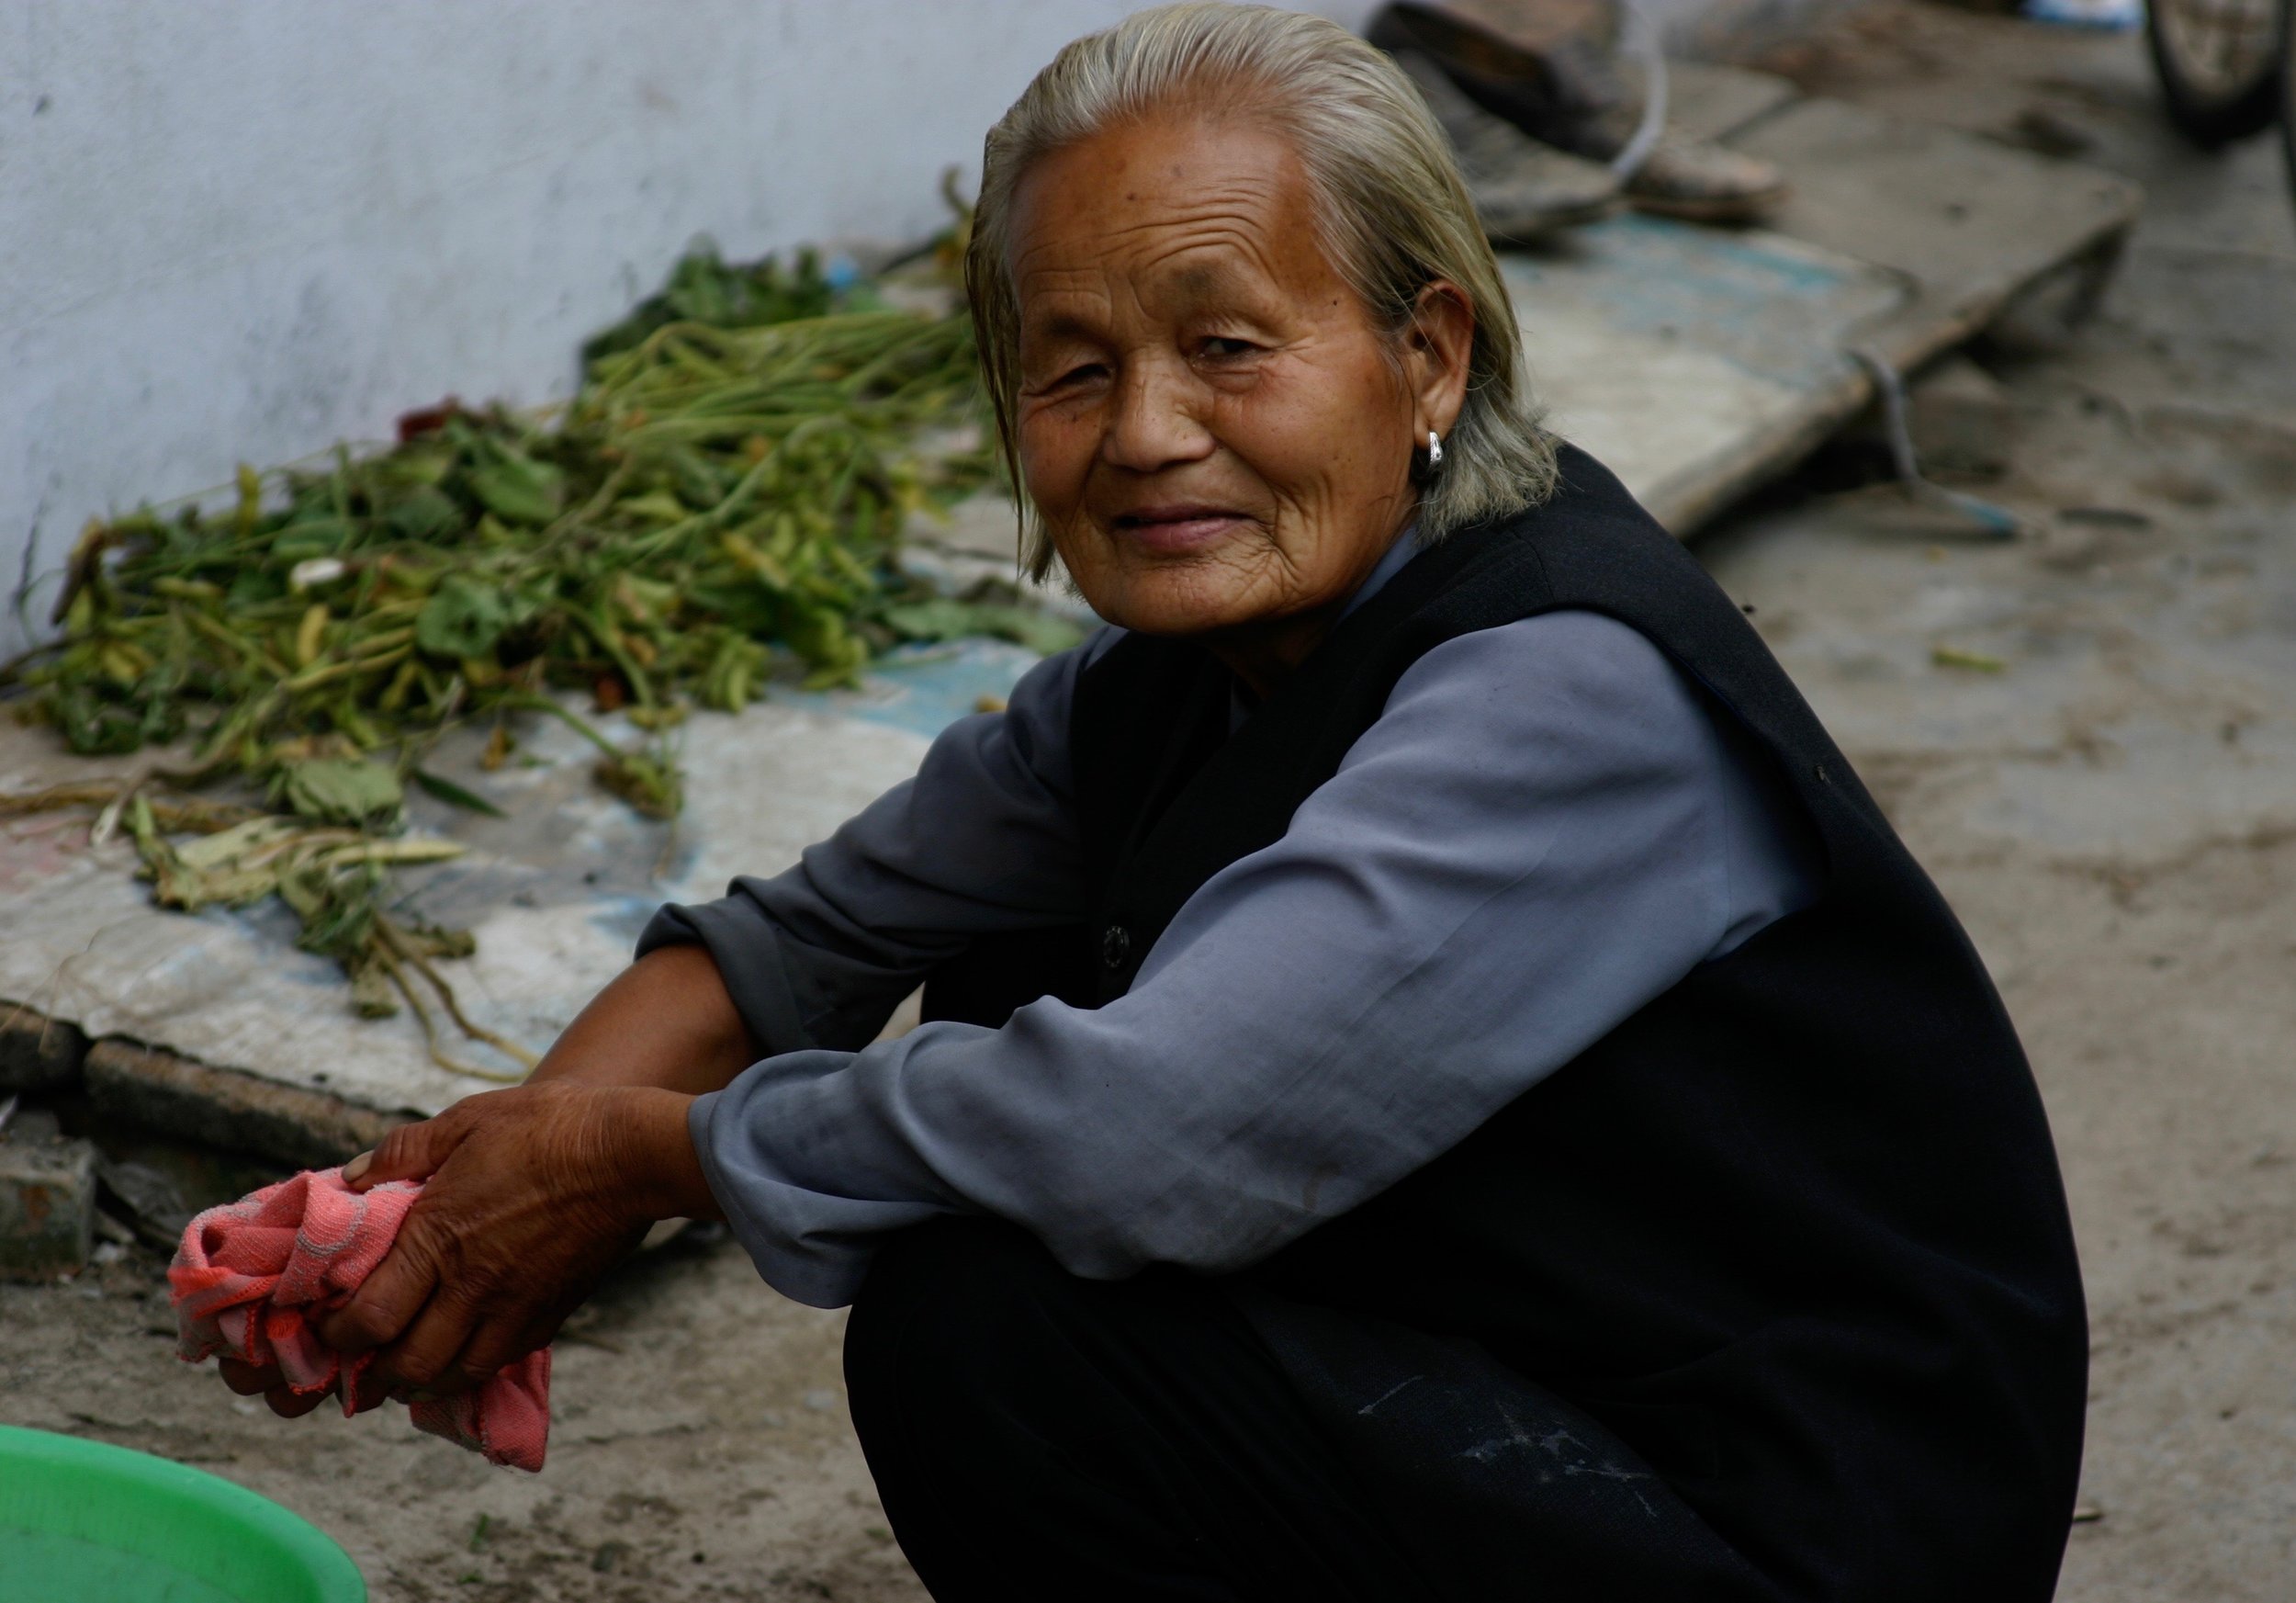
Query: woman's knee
point(955, 1317)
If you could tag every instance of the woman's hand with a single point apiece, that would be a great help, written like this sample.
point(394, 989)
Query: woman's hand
point(530, 1195)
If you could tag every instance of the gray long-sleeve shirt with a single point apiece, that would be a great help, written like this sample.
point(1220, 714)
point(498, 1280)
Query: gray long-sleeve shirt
point(1546, 829)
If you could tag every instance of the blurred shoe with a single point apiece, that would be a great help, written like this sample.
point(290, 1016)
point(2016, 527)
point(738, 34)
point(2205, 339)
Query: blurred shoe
point(1694, 179)
point(1700, 181)
point(1551, 69)
point(1548, 92)
point(1522, 189)
point(1539, 25)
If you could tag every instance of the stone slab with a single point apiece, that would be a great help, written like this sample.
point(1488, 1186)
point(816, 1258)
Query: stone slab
point(215, 1026)
point(47, 1205)
point(155, 1090)
point(37, 1053)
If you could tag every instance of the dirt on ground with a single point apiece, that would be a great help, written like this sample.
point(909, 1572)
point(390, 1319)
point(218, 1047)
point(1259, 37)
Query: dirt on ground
point(2088, 734)
point(2112, 809)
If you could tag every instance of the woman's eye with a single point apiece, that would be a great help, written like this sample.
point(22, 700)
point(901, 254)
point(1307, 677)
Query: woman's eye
point(1219, 347)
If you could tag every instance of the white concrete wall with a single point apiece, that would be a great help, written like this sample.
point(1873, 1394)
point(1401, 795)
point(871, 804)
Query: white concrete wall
point(243, 229)
point(240, 230)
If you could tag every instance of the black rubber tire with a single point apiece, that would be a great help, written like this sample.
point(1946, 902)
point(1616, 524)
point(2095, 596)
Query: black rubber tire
point(2213, 116)
point(2288, 92)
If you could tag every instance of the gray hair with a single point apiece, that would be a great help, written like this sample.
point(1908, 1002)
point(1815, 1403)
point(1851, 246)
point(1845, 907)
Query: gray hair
point(1391, 210)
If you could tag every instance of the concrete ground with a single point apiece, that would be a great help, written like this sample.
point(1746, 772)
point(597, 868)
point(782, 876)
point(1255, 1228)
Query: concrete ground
point(2101, 773)
point(2113, 810)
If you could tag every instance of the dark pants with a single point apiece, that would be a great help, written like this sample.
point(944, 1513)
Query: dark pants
point(1035, 1435)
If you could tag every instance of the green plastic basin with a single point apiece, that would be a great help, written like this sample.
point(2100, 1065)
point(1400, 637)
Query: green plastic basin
point(87, 1522)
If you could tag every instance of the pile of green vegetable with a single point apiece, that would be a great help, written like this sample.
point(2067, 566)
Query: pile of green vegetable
point(726, 489)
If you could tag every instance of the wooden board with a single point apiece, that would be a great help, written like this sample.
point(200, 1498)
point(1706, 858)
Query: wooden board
point(1966, 224)
point(1702, 362)
point(1695, 361)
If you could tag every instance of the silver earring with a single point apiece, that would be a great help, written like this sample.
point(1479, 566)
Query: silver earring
point(1435, 449)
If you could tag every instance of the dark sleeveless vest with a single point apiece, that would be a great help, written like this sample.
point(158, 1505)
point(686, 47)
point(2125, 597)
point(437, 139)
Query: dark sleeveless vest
point(1794, 1231)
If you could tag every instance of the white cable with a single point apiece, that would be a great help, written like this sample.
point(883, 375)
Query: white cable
point(1990, 516)
point(1648, 38)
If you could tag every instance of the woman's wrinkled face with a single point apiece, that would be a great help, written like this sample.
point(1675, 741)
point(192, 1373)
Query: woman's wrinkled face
point(1218, 435)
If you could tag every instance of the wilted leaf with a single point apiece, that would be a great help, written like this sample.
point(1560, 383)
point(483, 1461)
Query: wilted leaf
point(229, 846)
point(353, 792)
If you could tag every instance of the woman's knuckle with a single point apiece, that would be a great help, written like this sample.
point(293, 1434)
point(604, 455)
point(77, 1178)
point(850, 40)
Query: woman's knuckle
point(462, 1292)
point(361, 1326)
point(485, 1354)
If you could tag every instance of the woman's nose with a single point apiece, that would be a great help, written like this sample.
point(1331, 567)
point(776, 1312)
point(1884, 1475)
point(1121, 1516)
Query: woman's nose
point(1155, 419)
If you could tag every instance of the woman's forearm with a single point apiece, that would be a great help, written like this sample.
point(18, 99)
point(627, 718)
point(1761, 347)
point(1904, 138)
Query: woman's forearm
point(664, 1022)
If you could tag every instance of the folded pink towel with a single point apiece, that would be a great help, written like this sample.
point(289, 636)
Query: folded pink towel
point(252, 1275)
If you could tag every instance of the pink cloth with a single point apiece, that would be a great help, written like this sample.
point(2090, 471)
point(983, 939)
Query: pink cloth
point(252, 1275)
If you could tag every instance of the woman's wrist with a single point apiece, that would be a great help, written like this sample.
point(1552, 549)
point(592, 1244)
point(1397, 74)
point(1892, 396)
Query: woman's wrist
point(658, 1157)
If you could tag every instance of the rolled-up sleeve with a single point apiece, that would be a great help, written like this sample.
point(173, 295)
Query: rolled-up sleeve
point(1546, 827)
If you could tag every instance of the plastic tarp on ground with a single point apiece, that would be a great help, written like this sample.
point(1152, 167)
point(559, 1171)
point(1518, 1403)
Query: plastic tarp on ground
point(556, 893)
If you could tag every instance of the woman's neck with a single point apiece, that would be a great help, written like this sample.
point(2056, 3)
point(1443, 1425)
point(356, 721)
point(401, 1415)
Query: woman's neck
point(1262, 654)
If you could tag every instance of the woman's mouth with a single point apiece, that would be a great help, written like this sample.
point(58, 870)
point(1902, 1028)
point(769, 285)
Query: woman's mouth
point(1178, 527)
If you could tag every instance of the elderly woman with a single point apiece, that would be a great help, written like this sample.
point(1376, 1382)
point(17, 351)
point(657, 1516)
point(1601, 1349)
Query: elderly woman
point(1437, 1082)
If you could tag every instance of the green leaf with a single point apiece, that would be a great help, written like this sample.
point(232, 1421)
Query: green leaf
point(319, 535)
point(453, 794)
point(425, 514)
point(463, 617)
point(940, 619)
point(352, 791)
point(945, 618)
point(517, 489)
point(1041, 632)
point(92, 726)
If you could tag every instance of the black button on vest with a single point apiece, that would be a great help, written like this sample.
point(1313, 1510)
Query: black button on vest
point(1116, 945)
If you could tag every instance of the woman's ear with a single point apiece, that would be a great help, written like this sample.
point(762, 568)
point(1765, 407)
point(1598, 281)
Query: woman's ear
point(1438, 345)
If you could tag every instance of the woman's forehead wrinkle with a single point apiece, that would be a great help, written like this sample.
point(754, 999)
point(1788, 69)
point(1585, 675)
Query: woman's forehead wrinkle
point(1209, 250)
point(1120, 189)
point(1125, 238)
point(1164, 274)
point(1058, 298)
